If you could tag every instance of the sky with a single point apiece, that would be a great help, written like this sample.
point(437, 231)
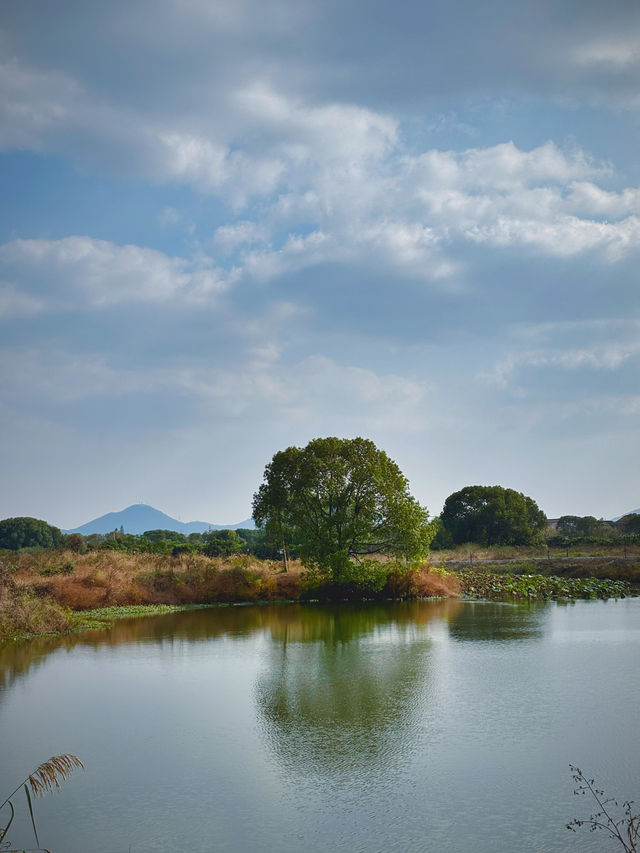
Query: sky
point(231, 227)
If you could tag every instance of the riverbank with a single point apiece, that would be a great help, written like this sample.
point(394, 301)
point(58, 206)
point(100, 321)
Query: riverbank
point(60, 591)
point(44, 592)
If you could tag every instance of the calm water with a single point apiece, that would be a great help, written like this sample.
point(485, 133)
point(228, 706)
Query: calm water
point(411, 727)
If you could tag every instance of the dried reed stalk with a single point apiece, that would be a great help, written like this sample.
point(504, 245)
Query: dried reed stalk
point(47, 777)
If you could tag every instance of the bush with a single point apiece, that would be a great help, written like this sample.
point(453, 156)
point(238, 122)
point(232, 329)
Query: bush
point(25, 532)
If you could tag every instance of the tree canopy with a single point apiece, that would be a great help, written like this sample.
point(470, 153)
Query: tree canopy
point(492, 515)
point(222, 543)
point(579, 526)
point(338, 500)
point(26, 532)
point(630, 524)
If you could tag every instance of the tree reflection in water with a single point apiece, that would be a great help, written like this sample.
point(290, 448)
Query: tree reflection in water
point(346, 689)
point(495, 621)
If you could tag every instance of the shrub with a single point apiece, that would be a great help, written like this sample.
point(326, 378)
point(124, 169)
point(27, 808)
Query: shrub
point(25, 532)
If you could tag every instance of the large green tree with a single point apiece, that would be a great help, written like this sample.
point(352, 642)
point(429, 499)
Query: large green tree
point(26, 532)
point(492, 515)
point(337, 501)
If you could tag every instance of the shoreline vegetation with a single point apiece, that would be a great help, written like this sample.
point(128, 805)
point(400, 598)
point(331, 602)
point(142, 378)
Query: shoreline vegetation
point(57, 591)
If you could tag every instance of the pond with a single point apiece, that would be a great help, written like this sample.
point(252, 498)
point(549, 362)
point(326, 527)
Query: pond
point(422, 726)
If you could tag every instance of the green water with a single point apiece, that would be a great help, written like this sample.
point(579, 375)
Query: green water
point(430, 726)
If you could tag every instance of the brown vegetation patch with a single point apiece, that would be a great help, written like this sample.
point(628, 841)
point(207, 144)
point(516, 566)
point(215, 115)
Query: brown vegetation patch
point(23, 612)
point(424, 582)
point(106, 578)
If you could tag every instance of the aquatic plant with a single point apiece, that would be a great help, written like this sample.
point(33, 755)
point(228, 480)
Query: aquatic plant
point(625, 829)
point(483, 584)
point(45, 779)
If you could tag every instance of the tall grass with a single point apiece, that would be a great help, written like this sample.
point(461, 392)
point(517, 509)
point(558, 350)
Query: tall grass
point(111, 578)
point(22, 611)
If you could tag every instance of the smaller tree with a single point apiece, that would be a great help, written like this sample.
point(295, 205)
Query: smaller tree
point(492, 515)
point(75, 542)
point(630, 524)
point(27, 532)
point(579, 526)
point(222, 543)
point(159, 534)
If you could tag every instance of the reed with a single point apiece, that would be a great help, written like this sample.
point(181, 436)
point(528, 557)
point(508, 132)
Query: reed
point(45, 779)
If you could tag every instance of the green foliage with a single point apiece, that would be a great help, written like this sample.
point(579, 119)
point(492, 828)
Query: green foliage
point(443, 540)
point(257, 545)
point(222, 543)
point(336, 501)
point(499, 587)
point(64, 569)
point(492, 515)
point(159, 535)
point(27, 532)
point(630, 524)
point(581, 527)
point(75, 542)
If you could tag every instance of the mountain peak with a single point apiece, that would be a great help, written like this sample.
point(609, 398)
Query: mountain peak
point(138, 518)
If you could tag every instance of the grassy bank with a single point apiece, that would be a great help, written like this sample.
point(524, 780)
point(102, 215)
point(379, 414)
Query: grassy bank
point(615, 549)
point(53, 591)
point(56, 591)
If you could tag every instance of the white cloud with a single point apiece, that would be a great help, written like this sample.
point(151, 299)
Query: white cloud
point(34, 105)
point(363, 202)
point(169, 216)
point(601, 356)
point(587, 197)
point(313, 183)
point(79, 272)
point(621, 51)
point(14, 303)
point(562, 236)
point(310, 391)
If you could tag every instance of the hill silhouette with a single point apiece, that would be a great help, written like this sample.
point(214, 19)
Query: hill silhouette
point(140, 517)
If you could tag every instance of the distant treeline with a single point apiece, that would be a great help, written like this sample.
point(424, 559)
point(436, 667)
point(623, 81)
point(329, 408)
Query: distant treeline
point(20, 533)
point(482, 515)
point(212, 543)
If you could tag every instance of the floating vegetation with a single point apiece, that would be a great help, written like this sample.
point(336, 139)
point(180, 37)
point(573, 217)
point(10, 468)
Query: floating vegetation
point(509, 587)
point(104, 616)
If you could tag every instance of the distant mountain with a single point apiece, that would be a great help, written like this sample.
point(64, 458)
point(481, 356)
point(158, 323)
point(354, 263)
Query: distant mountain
point(631, 512)
point(140, 517)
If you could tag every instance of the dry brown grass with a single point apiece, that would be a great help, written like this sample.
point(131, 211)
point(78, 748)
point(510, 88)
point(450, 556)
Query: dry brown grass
point(463, 553)
point(425, 582)
point(23, 612)
point(107, 578)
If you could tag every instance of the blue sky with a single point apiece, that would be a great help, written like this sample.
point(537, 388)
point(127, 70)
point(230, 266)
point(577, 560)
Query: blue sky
point(228, 228)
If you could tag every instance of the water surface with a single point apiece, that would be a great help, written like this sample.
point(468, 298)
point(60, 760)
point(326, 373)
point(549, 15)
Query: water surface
point(429, 726)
